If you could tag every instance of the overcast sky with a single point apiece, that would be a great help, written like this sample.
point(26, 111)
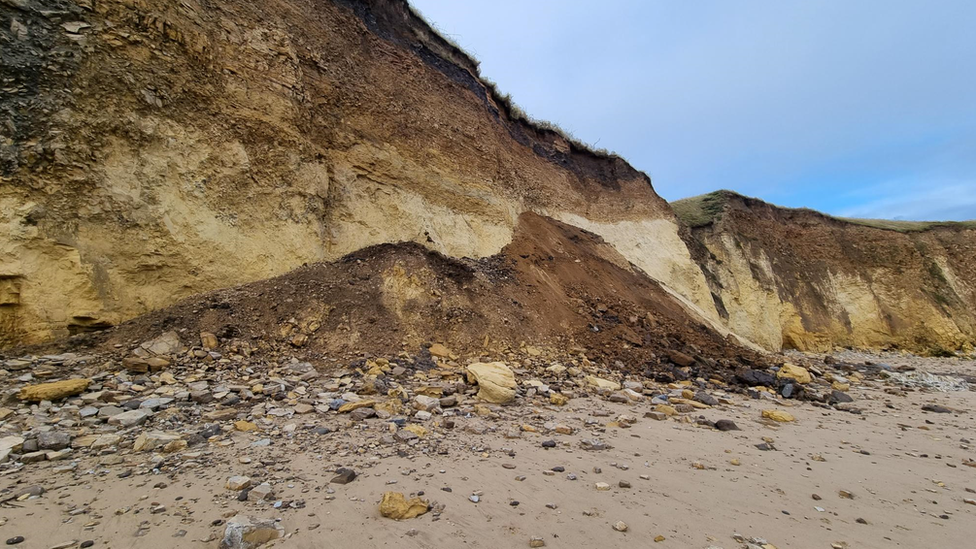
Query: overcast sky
point(854, 107)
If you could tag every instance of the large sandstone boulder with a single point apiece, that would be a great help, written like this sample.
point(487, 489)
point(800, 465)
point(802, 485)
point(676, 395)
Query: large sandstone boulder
point(495, 380)
point(53, 391)
point(396, 506)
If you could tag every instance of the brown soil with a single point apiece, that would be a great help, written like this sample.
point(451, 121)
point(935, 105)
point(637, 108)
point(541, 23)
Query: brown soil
point(555, 286)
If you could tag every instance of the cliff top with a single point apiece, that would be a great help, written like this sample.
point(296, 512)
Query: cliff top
point(702, 210)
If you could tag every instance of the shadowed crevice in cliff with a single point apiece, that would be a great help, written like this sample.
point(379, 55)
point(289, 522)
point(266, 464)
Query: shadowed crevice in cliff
point(801, 279)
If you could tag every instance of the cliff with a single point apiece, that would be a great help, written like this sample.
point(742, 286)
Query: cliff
point(156, 149)
point(800, 279)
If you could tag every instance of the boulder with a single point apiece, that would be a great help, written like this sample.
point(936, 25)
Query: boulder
point(496, 381)
point(248, 532)
point(395, 506)
point(796, 373)
point(53, 391)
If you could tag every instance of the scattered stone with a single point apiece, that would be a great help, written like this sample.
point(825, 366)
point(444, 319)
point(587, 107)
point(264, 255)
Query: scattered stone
point(593, 445)
point(166, 344)
point(936, 408)
point(620, 526)
point(840, 397)
point(247, 532)
point(439, 351)
point(557, 399)
point(343, 476)
point(778, 415)
point(537, 542)
point(601, 383)
point(260, 492)
point(208, 341)
point(238, 483)
point(726, 425)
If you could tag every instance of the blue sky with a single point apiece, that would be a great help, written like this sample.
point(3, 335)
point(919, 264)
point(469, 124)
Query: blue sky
point(858, 108)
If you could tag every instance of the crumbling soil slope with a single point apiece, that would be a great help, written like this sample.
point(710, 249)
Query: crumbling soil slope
point(800, 279)
point(154, 150)
point(556, 288)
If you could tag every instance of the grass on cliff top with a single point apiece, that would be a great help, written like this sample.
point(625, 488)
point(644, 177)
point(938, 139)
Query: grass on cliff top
point(702, 210)
point(908, 226)
point(514, 111)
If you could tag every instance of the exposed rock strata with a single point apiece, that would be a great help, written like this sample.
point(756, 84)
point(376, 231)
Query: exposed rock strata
point(800, 279)
point(154, 150)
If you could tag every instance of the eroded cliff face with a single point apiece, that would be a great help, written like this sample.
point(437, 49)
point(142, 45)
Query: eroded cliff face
point(800, 279)
point(155, 149)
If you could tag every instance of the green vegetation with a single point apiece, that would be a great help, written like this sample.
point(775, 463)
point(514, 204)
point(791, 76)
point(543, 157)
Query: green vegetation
point(908, 226)
point(701, 210)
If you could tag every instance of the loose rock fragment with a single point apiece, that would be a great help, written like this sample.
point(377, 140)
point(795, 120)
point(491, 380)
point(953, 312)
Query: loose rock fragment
point(53, 391)
point(247, 532)
point(778, 415)
point(395, 506)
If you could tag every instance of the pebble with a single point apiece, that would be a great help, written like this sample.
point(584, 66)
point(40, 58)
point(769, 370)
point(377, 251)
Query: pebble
point(15, 540)
point(620, 526)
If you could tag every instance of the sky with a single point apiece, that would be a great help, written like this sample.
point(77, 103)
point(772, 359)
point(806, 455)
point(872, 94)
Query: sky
point(856, 108)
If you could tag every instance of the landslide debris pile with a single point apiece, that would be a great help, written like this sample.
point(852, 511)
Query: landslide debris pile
point(555, 287)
